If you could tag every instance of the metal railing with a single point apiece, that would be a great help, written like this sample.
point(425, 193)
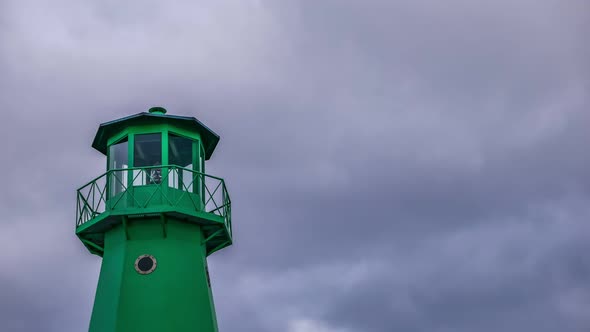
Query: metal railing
point(143, 187)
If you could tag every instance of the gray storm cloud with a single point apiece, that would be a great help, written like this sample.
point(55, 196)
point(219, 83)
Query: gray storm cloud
point(393, 165)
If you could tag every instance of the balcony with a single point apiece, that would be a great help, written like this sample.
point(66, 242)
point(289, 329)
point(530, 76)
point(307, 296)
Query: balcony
point(121, 195)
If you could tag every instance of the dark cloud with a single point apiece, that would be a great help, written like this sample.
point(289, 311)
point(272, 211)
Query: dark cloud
point(393, 165)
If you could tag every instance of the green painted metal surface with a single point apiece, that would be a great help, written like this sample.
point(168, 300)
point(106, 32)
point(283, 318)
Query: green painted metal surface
point(171, 215)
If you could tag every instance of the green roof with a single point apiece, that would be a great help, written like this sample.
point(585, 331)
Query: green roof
point(108, 129)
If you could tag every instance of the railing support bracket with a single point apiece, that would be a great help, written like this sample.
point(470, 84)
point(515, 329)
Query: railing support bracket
point(212, 235)
point(93, 245)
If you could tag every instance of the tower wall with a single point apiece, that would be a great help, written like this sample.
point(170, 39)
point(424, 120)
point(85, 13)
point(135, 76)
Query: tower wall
point(176, 296)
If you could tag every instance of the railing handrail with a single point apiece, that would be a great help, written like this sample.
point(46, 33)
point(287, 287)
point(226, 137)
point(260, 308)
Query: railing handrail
point(112, 170)
point(222, 203)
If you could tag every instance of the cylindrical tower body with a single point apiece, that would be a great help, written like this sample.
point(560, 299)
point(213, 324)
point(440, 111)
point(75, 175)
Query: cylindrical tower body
point(154, 217)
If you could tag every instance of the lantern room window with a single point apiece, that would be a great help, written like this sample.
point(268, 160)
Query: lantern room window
point(180, 153)
point(179, 163)
point(118, 155)
point(118, 160)
point(147, 150)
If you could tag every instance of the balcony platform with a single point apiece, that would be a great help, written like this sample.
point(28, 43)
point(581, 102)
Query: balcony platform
point(201, 200)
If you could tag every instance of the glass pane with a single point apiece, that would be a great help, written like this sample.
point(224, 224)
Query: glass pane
point(147, 152)
point(180, 151)
point(188, 178)
point(118, 159)
point(173, 178)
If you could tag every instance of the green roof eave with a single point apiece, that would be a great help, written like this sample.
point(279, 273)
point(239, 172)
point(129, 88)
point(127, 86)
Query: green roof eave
point(108, 129)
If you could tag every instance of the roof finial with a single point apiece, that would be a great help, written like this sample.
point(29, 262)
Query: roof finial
point(158, 109)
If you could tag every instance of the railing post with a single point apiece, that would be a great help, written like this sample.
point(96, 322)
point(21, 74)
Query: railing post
point(107, 193)
point(203, 186)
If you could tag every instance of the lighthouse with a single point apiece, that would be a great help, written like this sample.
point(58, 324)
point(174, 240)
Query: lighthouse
point(154, 217)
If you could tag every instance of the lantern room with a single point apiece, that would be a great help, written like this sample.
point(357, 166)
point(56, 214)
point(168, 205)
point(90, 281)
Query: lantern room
point(152, 139)
point(155, 165)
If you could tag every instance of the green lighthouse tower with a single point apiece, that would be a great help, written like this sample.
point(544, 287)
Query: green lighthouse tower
point(154, 216)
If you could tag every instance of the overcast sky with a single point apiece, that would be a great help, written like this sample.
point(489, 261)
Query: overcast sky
point(393, 165)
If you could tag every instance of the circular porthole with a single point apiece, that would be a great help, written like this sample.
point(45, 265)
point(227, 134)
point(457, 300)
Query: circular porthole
point(145, 264)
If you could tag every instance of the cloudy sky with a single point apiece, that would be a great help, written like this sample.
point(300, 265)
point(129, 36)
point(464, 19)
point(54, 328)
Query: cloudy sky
point(393, 165)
